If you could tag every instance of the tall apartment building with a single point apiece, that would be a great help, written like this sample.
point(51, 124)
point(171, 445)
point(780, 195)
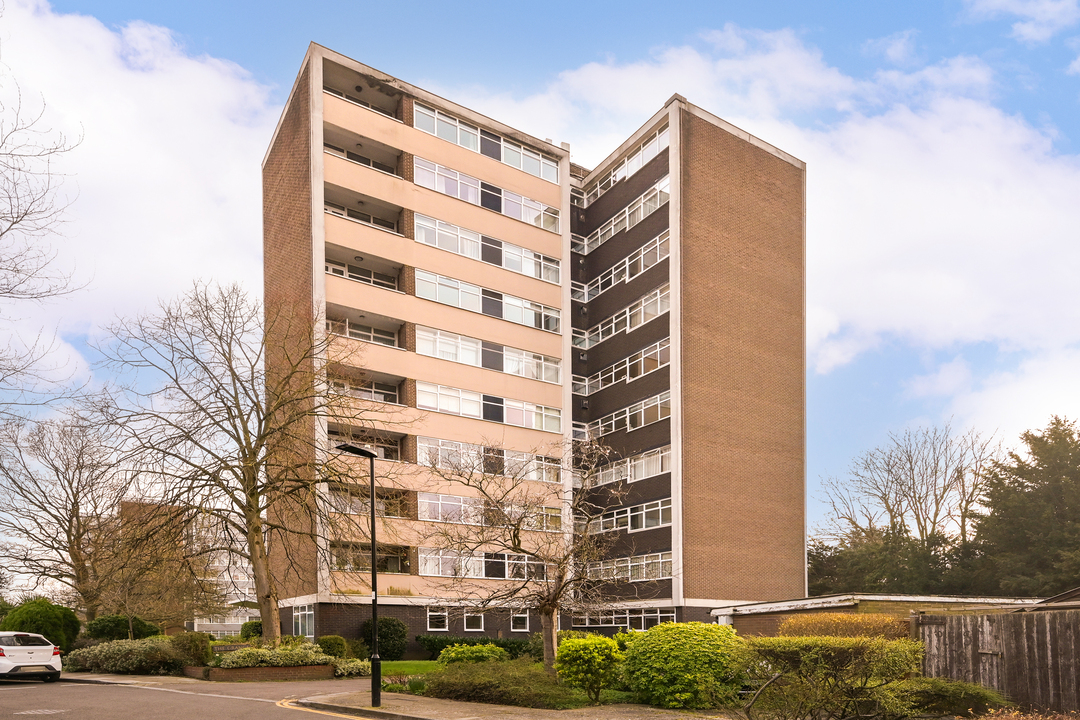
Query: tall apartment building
point(504, 296)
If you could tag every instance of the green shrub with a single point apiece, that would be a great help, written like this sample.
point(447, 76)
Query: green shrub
point(844, 625)
point(589, 664)
point(830, 676)
point(251, 629)
point(358, 649)
point(472, 654)
point(435, 644)
point(624, 638)
point(690, 665)
point(149, 656)
point(57, 623)
point(194, 647)
point(115, 627)
point(351, 667)
point(296, 655)
point(536, 641)
point(393, 637)
point(944, 697)
point(333, 645)
point(517, 682)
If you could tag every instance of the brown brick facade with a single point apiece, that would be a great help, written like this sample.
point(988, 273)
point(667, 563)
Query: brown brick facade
point(743, 385)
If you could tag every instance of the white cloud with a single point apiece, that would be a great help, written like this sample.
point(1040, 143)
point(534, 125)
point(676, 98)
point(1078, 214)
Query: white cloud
point(898, 48)
point(949, 379)
point(1040, 19)
point(167, 174)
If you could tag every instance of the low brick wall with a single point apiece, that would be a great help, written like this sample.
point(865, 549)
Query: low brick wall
point(261, 674)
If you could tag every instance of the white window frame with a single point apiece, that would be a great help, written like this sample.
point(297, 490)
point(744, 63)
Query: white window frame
point(518, 616)
point(636, 159)
point(637, 262)
point(642, 207)
point(648, 307)
point(459, 294)
point(435, 611)
point(468, 243)
point(471, 616)
point(304, 615)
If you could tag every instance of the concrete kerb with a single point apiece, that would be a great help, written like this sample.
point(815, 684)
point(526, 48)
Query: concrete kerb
point(358, 712)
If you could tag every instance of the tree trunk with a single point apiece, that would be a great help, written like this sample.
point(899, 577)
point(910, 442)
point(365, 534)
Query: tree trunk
point(131, 628)
point(265, 592)
point(549, 634)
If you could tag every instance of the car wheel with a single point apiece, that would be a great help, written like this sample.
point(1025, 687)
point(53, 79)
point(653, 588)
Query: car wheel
point(52, 678)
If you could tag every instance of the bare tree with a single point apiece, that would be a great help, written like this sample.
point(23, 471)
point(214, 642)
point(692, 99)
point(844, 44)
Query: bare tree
point(924, 482)
point(61, 483)
point(224, 437)
point(525, 528)
point(30, 211)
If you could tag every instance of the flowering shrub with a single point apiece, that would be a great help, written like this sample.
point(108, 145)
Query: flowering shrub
point(151, 656)
point(351, 667)
point(306, 654)
point(472, 654)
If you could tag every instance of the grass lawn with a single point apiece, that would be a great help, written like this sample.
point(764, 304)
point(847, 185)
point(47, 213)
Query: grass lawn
point(408, 667)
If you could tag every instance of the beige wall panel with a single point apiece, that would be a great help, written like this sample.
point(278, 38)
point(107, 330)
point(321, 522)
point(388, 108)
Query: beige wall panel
point(395, 361)
point(743, 379)
point(358, 119)
point(368, 240)
point(388, 188)
point(381, 301)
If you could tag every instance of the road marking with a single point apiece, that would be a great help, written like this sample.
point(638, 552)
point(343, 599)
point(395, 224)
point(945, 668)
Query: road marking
point(39, 712)
point(288, 704)
point(188, 692)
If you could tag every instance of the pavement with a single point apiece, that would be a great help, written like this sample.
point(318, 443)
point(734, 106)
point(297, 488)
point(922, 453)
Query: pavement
point(398, 706)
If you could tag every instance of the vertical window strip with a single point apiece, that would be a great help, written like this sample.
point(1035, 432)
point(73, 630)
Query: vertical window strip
point(465, 187)
point(645, 205)
point(641, 311)
point(494, 304)
point(625, 270)
point(642, 154)
point(470, 244)
point(449, 128)
point(628, 369)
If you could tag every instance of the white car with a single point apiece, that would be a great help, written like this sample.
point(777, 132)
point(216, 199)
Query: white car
point(28, 656)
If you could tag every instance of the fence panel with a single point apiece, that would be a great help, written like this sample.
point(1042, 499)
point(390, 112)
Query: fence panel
point(1030, 657)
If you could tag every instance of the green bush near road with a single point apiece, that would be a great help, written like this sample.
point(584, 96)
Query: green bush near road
point(472, 654)
point(193, 646)
point(115, 627)
point(297, 655)
point(333, 645)
point(57, 623)
point(589, 664)
point(393, 637)
point(685, 665)
point(351, 667)
point(251, 629)
point(149, 656)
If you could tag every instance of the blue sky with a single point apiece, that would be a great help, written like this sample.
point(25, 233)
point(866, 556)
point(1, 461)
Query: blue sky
point(942, 141)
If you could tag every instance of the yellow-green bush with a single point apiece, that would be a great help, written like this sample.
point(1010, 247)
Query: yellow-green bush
point(829, 677)
point(688, 665)
point(844, 625)
point(589, 664)
point(472, 654)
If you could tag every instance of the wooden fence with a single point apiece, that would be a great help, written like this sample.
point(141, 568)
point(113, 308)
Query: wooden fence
point(1031, 657)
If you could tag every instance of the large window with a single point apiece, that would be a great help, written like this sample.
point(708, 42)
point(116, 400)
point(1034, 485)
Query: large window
point(353, 500)
point(519, 622)
point(625, 270)
point(634, 161)
point(450, 508)
point(358, 331)
point(646, 465)
point(360, 216)
point(642, 207)
point(366, 390)
point(384, 448)
point(354, 272)
point(643, 310)
point(628, 369)
point(453, 563)
point(452, 238)
point(470, 351)
point(632, 519)
point(639, 568)
point(474, 622)
point(495, 304)
point(632, 618)
point(459, 132)
point(354, 557)
point(360, 159)
point(468, 458)
point(465, 187)
point(438, 619)
point(466, 403)
point(633, 417)
point(303, 621)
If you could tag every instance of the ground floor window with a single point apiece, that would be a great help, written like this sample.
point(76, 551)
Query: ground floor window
point(631, 618)
point(474, 622)
point(519, 622)
point(437, 619)
point(303, 621)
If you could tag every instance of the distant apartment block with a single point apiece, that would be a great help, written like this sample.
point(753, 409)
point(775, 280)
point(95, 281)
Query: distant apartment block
point(501, 293)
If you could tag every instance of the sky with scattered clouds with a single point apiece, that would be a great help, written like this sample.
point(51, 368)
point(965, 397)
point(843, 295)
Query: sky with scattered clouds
point(942, 141)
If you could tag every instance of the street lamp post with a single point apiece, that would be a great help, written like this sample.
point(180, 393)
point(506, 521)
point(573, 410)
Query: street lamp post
point(376, 662)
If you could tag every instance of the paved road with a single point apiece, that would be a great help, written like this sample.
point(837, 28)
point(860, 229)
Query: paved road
point(202, 701)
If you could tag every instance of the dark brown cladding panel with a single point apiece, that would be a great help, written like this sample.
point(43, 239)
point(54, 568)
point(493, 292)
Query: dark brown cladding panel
point(619, 246)
point(626, 444)
point(287, 279)
point(642, 542)
point(620, 296)
point(639, 590)
point(624, 193)
point(620, 395)
point(620, 346)
point(743, 381)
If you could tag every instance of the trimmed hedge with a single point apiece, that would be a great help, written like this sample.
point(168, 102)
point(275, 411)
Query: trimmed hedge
point(685, 665)
point(351, 667)
point(830, 676)
point(590, 664)
point(473, 654)
point(435, 644)
point(58, 624)
point(333, 645)
point(393, 637)
point(149, 656)
point(519, 682)
point(194, 647)
point(115, 627)
point(251, 629)
point(297, 655)
point(844, 625)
